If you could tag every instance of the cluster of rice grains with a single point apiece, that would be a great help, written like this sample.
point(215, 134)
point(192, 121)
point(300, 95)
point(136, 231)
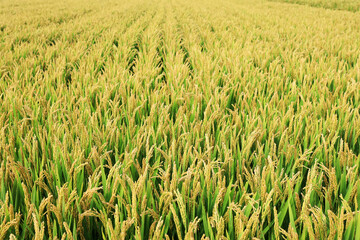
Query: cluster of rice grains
point(166, 119)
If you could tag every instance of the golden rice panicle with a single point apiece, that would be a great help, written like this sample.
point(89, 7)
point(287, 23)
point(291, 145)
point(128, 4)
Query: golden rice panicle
point(176, 221)
point(192, 229)
point(220, 225)
point(182, 208)
point(276, 226)
point(158, 229)
point(125, 226)
point(333, 224)
point(39, 229)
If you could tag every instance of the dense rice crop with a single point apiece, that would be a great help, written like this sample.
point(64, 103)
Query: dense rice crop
point(160, 119)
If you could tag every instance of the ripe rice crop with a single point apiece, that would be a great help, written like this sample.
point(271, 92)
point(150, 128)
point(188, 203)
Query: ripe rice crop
point(231, 119)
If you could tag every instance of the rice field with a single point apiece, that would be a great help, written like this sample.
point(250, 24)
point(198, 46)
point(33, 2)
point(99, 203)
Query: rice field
point(191, 119)
point(347, 5)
